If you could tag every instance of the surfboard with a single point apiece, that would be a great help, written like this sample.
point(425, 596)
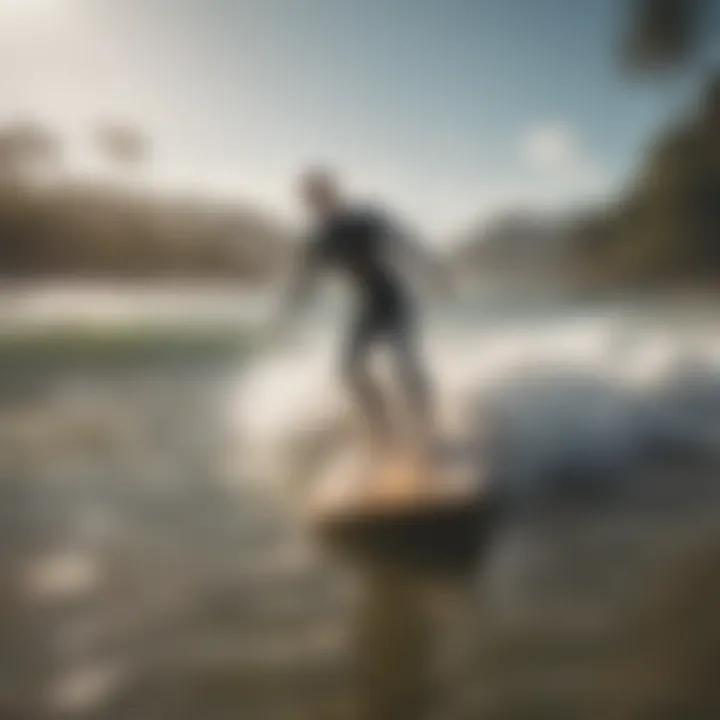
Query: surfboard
point(406, 503)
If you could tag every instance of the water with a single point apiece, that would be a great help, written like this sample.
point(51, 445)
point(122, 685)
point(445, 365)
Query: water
point(154, 563)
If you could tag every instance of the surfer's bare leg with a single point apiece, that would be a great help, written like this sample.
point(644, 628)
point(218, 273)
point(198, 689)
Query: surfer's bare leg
point(364, 390)
point(414, 384)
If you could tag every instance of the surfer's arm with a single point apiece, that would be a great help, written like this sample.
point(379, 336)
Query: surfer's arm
point(293, 297)
point(302, 281)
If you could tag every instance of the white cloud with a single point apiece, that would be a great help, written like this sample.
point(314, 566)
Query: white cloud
point(552, 147)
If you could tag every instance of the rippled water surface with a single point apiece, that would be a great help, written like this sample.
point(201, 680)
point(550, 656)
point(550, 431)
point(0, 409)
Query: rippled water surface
point(149, 570)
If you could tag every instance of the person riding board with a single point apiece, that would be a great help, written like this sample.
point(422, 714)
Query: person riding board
point(368, 249)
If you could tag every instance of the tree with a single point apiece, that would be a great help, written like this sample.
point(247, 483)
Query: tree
point(122, 145)
point(26, 148)
point(664, 33)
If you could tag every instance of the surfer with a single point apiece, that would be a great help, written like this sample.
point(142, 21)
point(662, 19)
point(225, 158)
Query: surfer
point(369, 251)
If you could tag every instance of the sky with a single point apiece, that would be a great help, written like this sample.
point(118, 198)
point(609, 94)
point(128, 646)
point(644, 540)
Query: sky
point(447, 110)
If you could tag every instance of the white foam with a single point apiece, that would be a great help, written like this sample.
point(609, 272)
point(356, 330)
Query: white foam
point(587, 396)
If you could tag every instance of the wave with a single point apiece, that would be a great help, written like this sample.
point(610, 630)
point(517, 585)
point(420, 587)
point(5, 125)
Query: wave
point(570, 403)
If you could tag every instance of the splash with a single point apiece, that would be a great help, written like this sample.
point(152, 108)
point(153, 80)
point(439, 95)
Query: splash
point(582, 396)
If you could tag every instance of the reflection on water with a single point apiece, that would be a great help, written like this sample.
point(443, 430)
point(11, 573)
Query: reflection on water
point(410, 644)
point(131, 573)
point(146, 573)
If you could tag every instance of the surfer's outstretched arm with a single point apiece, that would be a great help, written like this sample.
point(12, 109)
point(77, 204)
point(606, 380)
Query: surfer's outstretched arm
point(303, 279)
point(297, 292)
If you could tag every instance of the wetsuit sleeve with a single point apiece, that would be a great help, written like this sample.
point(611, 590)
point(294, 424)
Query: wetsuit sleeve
point(305, 270)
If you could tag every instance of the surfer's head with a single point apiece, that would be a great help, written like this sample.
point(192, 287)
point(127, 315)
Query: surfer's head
point(320, 191)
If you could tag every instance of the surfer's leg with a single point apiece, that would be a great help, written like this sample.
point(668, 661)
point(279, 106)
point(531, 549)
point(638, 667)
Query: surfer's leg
point(363, 389)
point(413, 377)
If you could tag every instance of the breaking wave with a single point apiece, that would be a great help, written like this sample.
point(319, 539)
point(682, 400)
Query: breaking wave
point(569, 399)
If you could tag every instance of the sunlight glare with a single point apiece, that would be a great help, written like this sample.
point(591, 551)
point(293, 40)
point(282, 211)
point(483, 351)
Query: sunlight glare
point(30, 8)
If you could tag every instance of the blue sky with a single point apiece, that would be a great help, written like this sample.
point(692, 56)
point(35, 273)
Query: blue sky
point(448, 109)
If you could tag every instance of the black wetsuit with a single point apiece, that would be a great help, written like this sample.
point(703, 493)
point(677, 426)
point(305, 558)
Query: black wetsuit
point(357, 244)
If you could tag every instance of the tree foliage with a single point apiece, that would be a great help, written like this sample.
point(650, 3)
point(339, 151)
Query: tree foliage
point(121, 144)
point(25, 148)
point(662, 33)
point(99, 228)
